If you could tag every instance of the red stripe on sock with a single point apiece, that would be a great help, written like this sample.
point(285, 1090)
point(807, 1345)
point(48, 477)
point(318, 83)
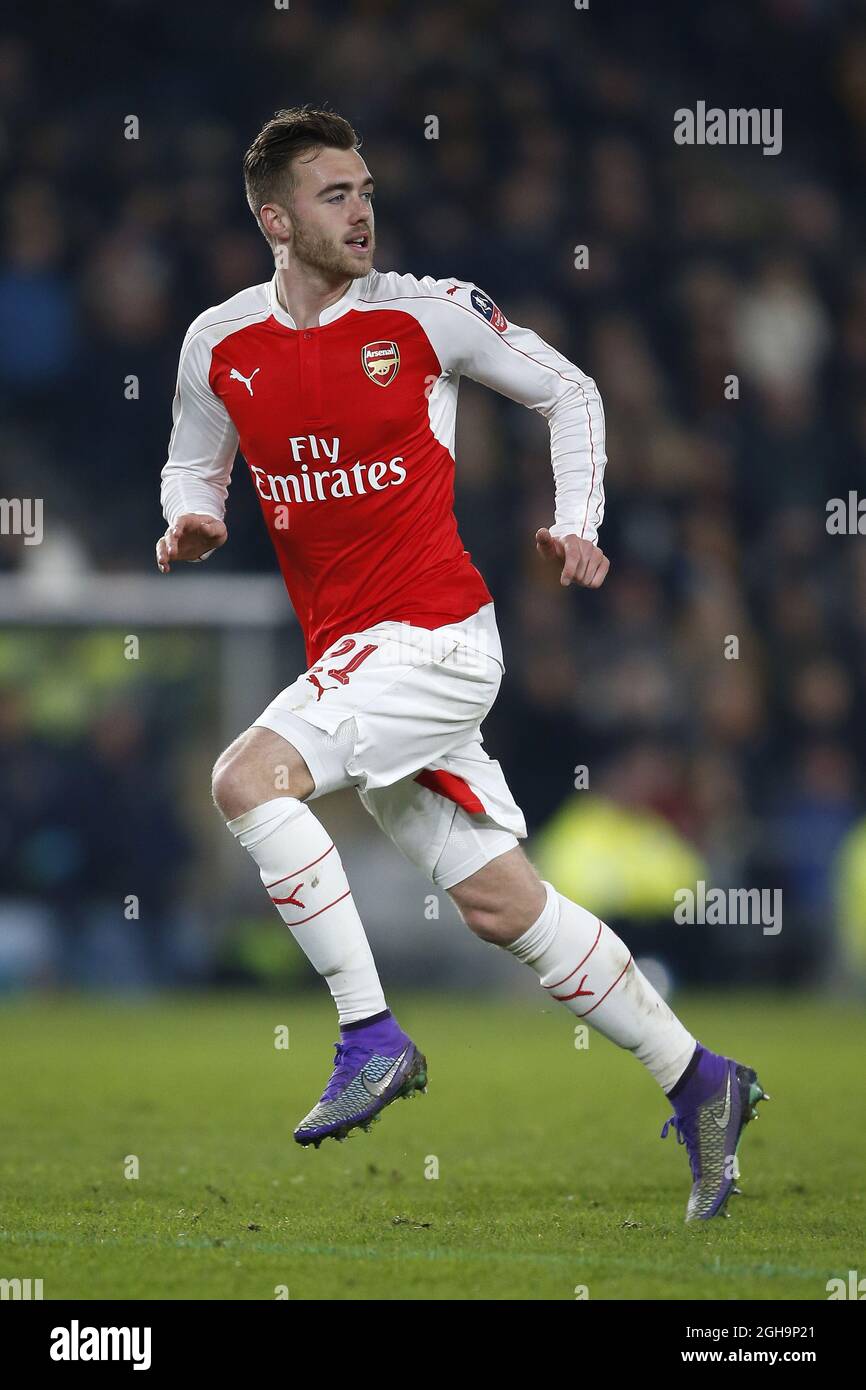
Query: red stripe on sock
point(315, 914)
point(557, 983)
point(607, 991)
point(453, 788)
point(295, 872)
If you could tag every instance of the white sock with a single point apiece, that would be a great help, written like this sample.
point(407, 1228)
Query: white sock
point(304, 875)
point(584, 965)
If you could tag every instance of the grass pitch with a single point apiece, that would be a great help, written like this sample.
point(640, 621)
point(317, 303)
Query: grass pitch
point(551, 1176)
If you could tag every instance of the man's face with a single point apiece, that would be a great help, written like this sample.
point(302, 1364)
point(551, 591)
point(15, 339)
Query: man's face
point(331, 213)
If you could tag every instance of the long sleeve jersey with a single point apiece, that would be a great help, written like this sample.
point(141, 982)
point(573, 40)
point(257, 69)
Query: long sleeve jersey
point(348, 432)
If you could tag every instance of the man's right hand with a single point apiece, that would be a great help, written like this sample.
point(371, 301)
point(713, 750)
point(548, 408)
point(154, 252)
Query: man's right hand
point(188, 538)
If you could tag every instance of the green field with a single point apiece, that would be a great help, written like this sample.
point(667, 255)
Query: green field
point(551, 1172)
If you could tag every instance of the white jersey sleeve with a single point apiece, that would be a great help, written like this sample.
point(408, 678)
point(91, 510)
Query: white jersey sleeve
point(203, 443)
point(474, 339)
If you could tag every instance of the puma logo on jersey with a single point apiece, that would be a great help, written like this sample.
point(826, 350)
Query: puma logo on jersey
point(235, 375)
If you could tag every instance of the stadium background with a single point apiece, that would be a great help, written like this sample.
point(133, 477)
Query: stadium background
point(555, 131)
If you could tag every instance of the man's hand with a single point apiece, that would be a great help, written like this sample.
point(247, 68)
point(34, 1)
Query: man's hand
point(583, 562)
point(188, 538)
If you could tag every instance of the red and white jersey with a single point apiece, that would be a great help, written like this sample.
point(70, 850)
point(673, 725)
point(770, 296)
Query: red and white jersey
point(348, 432)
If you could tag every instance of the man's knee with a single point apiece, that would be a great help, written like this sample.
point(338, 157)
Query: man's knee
point(257, 767)
point(502, 900)
point(485, 921)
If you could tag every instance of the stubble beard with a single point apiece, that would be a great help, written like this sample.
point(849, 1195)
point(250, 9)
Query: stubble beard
point(322, 255)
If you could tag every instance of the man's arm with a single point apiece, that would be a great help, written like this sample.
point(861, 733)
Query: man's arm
point(201, 452)
point(521, 365)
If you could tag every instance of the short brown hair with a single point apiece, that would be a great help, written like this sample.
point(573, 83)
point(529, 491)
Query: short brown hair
point(289, 133)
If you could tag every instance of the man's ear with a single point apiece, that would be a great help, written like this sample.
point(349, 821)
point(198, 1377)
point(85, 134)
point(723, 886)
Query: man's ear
point(276, 222)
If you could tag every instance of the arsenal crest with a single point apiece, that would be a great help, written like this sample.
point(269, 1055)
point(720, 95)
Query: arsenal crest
point(381, 362)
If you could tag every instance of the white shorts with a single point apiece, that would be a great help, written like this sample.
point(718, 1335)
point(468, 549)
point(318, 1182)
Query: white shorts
point(395, 711)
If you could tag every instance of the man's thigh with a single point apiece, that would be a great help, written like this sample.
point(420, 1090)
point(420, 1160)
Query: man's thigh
point(376, 708)
point(451, 818)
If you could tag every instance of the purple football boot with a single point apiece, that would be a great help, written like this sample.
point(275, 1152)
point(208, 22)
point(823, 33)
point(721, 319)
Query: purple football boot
point(373, 1065)
point(713, 1102)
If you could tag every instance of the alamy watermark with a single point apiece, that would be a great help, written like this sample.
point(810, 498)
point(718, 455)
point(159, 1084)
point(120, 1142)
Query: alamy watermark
point(729, 907)
point(846, 516)
point(405, 644)
point(20, 1289)
point(737, 126)
point(854, 1287)
point(77, 1343)
point(22, 516)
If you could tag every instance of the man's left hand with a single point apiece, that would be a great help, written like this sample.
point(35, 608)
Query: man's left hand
point(582, 562)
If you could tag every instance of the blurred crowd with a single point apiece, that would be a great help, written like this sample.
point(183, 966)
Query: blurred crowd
point(721, 310)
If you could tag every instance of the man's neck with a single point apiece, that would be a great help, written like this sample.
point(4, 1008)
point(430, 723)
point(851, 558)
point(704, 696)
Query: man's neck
point(305, 298)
